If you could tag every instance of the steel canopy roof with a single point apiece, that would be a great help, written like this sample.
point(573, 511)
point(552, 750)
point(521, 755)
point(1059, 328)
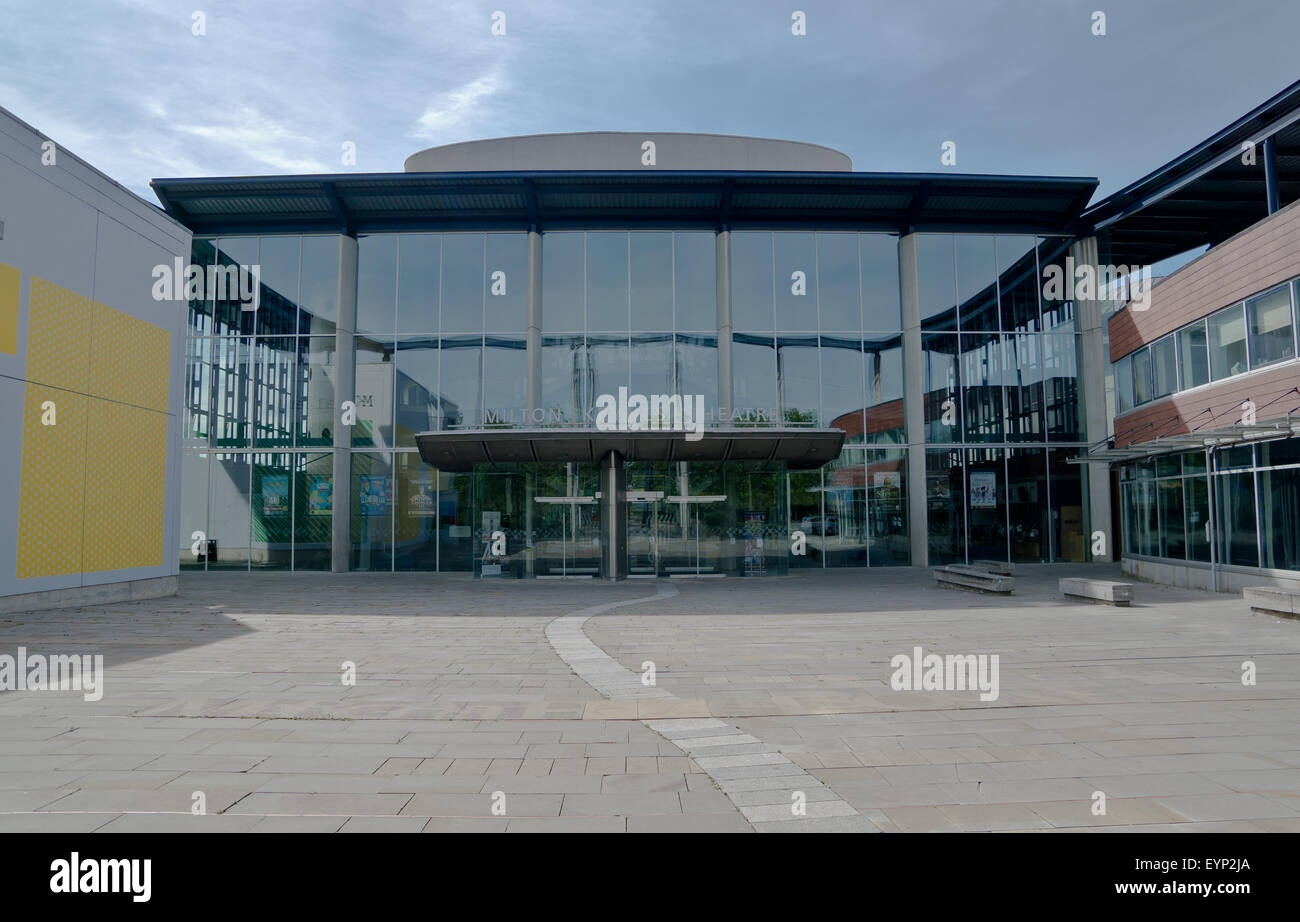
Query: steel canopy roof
point(378, 202)
point(461, 449)
point(1206, 194)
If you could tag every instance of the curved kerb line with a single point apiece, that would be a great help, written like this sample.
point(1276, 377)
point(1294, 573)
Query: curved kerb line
point(754, 775)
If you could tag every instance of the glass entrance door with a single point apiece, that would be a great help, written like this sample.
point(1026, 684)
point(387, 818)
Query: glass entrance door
point(643, 533)
point(568, 536)
point(698, 531)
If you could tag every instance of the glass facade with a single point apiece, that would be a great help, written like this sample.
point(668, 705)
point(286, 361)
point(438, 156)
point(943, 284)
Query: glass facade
point(440, 343)
point(1002, 402)
point(1254, 492)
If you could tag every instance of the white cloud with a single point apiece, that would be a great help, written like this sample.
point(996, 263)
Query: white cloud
point(448, 115)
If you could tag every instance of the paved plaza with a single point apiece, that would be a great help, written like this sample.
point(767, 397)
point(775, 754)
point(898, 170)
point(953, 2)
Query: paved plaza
point(520, 707)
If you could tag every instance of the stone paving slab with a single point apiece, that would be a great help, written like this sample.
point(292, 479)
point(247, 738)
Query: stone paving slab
point(234, 688)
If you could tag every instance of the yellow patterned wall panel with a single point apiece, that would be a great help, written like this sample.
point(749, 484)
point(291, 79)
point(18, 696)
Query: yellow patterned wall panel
point(10, 290)
point(129, 360)
point(93, 493)
point(58, 336)
point(51, 505)
point(126, 479)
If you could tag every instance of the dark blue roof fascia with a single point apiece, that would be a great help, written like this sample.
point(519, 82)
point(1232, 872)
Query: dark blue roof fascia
point(907, 201)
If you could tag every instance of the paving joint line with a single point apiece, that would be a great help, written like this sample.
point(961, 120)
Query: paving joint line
point(742, 770)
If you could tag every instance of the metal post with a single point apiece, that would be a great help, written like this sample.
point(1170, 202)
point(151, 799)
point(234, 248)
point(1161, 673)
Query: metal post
point(1270, 175)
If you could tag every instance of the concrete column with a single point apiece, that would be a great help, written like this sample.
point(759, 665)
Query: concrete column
point(724, 318)
point(345, 375)
point(613, 517)
point(1094, 366)
point(534, 361)
point(909, 292)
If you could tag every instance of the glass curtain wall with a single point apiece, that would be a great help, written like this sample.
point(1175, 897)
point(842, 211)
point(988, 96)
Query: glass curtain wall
point(1002, 401)
point(817, 341)
point(260, 408)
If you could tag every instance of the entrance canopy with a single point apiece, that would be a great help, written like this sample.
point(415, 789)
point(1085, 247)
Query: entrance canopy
point(461, 449)
point(1199, 440)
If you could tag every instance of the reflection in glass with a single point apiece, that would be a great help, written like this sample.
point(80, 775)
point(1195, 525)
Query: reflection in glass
point(841, 386)
point(798, 378)
point(419, 270)
point(317, 372)
point(1272, 336)
point(752, 306)
point(977, 289)
point(372, 511)
point(941, 383)
point(564, 369)
point(837, 282)
point(229, 485)
point(937, 281)
point(753, 386)
point(417, 389)
point(795, 255)
point(373, 393)
point(1227, 336)
point(607, 282)
point(1027, 507)
point(651, 271)
point(376, 282)
point(415, 514)
point(1238, 541)
point(883, 377)
point(945, 501)
point(272, 504)
point(313, 507)
point(506, 303)
point(277, 311)
point(986, 524)
point(563, 274)
point(695, 285)
point(1024, 388)
point(318, 290)
point(981, 376)
point(887, 507)
point(462, 283)
point(461, 379)
point(1063, 393)
point(1018, 283)
point(505, 396)
point(1193, 359)
point(878, 254)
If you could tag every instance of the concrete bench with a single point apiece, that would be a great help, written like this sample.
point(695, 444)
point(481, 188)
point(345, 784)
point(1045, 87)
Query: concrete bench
point(1272, 600)
point(1098, 590)
point(1000, 567)
point(973, 579)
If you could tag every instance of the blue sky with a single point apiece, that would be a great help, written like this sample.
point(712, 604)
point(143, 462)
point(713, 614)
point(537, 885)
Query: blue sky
point(1021, 86)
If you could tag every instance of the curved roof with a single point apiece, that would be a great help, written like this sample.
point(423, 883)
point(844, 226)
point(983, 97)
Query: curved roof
point(626, 150)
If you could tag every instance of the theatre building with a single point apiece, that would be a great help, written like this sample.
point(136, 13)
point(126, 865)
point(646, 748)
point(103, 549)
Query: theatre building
point(884, 378)
point(881, 379)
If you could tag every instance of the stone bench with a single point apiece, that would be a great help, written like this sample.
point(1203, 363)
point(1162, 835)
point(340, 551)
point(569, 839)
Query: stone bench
point(1097, 590)
point(1000, 567)
point(973, 579)
point(1272, 600)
